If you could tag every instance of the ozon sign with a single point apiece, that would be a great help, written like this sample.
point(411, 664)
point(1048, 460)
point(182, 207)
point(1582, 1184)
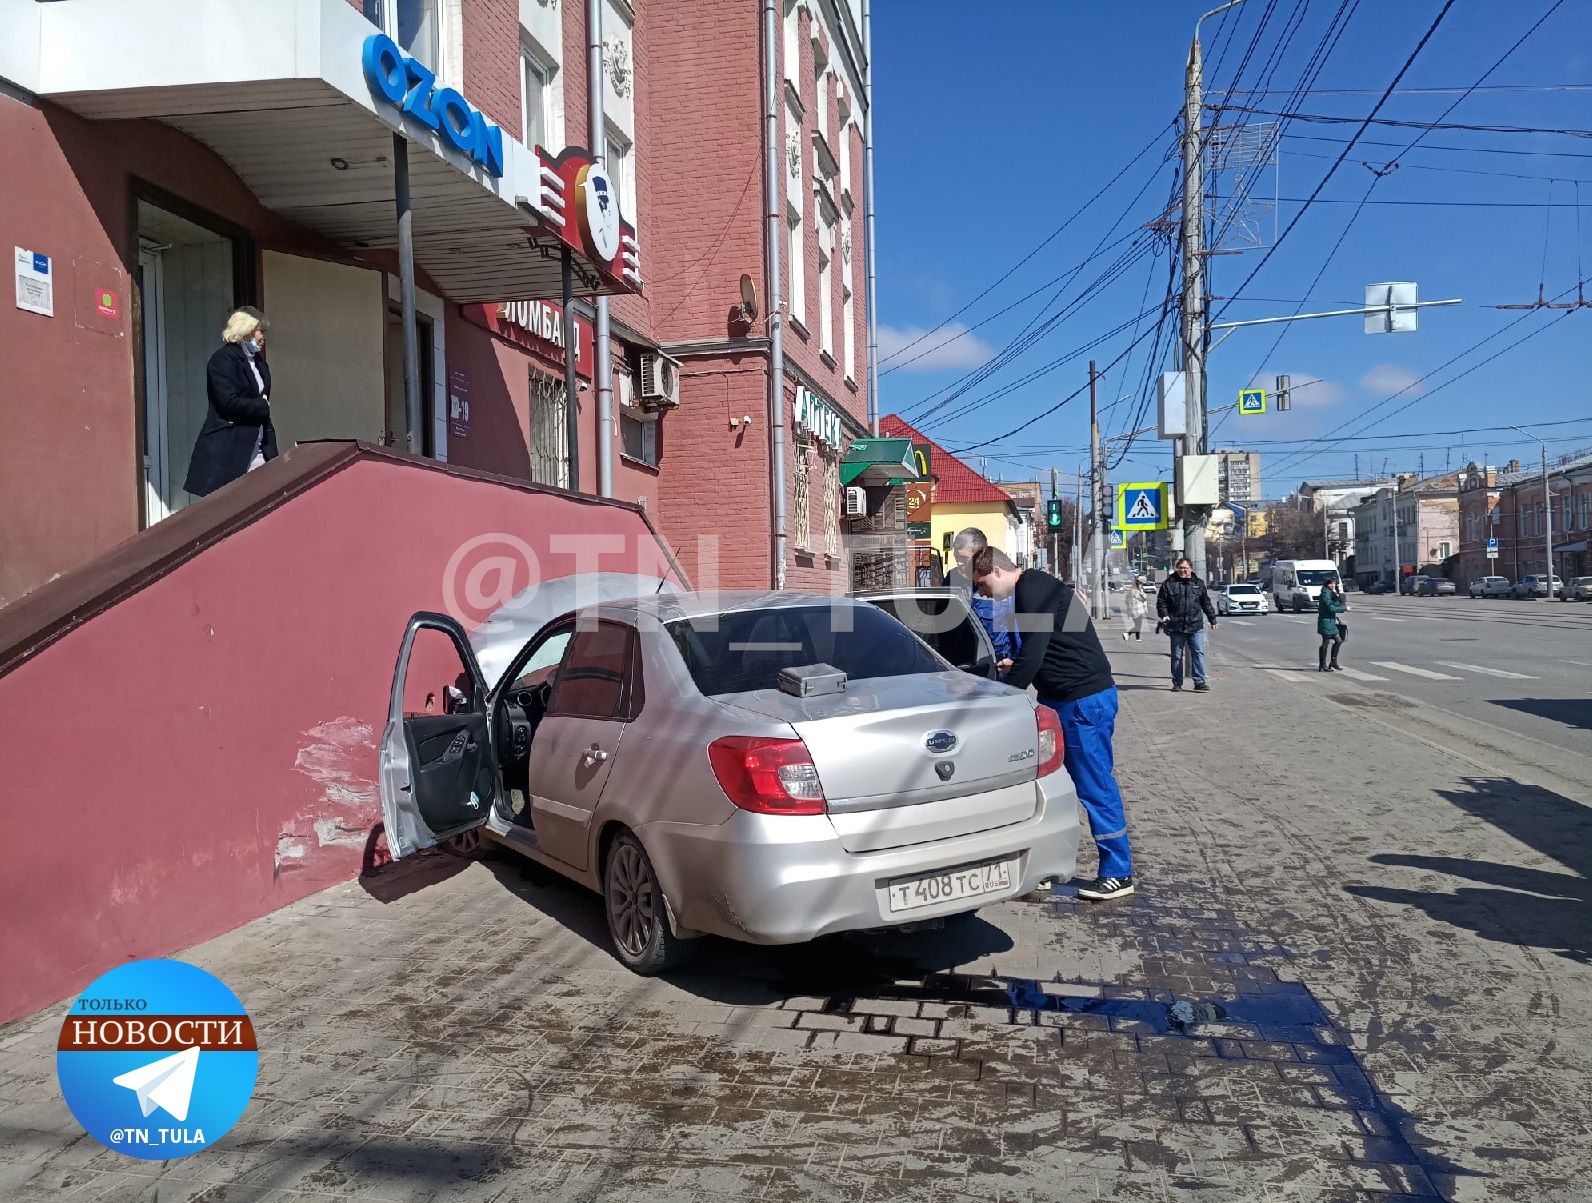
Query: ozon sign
point(411, 88)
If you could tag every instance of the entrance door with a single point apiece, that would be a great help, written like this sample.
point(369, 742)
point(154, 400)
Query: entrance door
point(397, 432)
point(157, 459)
point(187, 288)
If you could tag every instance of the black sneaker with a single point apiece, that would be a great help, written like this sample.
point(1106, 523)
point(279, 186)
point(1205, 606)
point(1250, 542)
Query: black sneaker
point(1177, 689)
point(1102, 889)
point(1202, 687)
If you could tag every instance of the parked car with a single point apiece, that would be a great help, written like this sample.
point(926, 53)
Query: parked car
point(1577, 589)
point(1412, 585)
point(1437, 586)
point(1534, 586)
point(1379, 587)
point(1491, 586)
point(768, 767)
point(1242, 599)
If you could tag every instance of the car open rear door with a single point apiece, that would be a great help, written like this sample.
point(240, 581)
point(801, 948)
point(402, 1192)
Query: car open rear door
point(439, 773)
point(944, 619)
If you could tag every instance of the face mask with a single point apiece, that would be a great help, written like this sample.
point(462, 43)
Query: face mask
point(250, 347)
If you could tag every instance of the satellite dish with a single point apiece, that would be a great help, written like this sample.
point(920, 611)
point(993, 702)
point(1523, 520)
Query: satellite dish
point(748, 297)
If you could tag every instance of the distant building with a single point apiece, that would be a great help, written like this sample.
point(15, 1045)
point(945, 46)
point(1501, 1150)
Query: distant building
point(1239, 475)
point(1427, 528)
point(1338, 499)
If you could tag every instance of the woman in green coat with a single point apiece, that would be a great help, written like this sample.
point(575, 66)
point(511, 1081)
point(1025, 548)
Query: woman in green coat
point(1332, 632)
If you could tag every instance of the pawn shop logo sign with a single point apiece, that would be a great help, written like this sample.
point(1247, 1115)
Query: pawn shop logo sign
point(157, 1059)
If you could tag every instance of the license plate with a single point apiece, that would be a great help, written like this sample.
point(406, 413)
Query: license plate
point(911, 893)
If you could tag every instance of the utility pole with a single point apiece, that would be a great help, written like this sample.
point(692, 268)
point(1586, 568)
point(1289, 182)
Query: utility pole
point(1547, 514)
point(1097, 489)
point(1055, 532)
point(1398, 568)
point(1076, 558)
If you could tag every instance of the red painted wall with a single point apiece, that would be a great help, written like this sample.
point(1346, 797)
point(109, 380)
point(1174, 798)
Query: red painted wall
point(205, 751)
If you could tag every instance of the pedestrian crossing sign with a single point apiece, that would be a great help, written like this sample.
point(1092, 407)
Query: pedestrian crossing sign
point(1141, 506)
point(1119, 540)
point(1252, 401)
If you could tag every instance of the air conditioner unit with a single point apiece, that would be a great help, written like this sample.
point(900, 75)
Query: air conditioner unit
point(660, 382)
point(856, 502)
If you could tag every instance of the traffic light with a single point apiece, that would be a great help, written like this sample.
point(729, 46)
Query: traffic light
point(1053, 513)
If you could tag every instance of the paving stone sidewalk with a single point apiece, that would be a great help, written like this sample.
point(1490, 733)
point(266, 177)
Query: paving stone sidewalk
point(1357, 969)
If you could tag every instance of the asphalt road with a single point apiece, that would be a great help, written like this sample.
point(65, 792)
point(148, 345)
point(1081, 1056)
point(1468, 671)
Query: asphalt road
point(1519, 671)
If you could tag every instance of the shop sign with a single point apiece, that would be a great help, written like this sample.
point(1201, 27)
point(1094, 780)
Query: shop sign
point(537, 327)
point(107, 304)
point(817, 419)
point(35, 283)
point(918, 530)
point(411, 89)
point(922, 454)
point(541, 319)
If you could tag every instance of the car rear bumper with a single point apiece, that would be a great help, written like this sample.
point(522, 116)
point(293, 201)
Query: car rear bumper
point(777, 879)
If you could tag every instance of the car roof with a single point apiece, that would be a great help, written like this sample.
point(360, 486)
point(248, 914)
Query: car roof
point(670, 607)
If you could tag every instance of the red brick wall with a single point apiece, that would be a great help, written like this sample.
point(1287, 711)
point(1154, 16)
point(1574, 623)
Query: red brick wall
point(715, 483)
point(492, 59)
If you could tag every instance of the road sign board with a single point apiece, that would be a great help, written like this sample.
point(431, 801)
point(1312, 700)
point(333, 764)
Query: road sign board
point(1492, 553)
point(1492, 545)
point(1119, 540)
point(1142, 506)
point(1252, 401)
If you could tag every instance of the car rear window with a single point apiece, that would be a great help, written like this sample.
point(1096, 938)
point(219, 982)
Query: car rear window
point(746, 649)
point(934, 620)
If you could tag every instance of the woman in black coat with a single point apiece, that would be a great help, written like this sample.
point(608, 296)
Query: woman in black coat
point(237, 436)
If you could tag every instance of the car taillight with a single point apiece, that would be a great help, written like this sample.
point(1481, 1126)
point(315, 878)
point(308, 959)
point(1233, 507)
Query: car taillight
point(1052, 748)
point(767, 776)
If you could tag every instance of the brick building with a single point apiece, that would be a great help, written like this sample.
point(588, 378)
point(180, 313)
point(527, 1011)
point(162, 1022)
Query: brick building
point(1427, 539)
point(1521, 522)
point(184, 161)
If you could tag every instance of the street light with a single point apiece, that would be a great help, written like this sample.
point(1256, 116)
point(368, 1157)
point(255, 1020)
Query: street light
point(1547, 507)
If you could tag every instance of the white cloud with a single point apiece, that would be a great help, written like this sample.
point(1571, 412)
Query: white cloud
point(1388, 378)
point(1307, 391)
point(951, 346)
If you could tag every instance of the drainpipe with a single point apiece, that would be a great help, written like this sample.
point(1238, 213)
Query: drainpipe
point(773, 175)
point(867, 185)
point(603, 367)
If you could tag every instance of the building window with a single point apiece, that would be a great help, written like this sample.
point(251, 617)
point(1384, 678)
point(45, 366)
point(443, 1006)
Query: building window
point(826, 293)
point(416, 25)
point(848, 335)
point(549, 433)
point(640, 439)
point(621, 164)
point(798, 271)
point(801, 509)
point(536, 98)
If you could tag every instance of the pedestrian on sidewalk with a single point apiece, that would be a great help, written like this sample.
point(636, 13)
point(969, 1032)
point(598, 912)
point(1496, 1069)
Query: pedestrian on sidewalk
point(1332, 629)
point(1138, 606)
point(1183, 605)
point(1059, 654)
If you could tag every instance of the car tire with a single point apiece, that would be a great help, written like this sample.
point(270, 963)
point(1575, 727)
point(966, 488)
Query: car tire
point(638, 919)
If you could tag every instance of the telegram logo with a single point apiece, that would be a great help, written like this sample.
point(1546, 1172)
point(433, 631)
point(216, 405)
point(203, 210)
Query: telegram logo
point(157, 1059)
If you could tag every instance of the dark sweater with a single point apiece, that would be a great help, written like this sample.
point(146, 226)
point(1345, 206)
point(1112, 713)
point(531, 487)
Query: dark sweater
point(1061, 655)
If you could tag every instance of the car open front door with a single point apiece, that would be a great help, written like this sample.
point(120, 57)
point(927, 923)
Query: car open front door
point(438, 770)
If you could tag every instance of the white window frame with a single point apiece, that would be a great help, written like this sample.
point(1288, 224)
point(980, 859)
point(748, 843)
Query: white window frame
point(532, 60)
point(797, 275)
point(388, 24)
point(826, 290)
point(619, 157)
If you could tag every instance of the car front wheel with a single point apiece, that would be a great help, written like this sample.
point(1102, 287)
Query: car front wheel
point(638, 921)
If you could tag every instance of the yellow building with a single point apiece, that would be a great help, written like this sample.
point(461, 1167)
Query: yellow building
point(957, 498)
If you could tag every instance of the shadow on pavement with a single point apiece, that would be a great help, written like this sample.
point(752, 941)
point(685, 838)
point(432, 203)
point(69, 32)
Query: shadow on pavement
point(1519, 905)
point(387, 880)
point(1572, 712)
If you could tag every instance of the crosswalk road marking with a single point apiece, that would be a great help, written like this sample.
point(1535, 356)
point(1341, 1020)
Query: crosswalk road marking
point(1288, 676)
point(1298, 620)
point(1241, 622)
point(1355, 674)
point(1491, 672)
point(1413, 671)
point(1383, 618)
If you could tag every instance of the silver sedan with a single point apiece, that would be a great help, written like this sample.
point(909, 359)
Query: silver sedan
point(769, 767)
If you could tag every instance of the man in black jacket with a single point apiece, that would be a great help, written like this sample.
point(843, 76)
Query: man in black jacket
point(1060, 655)
point(1182, 603)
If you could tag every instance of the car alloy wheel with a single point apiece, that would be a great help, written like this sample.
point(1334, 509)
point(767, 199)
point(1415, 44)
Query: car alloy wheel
point(638, 921)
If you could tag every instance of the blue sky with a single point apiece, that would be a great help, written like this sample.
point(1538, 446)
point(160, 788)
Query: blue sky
point(994, 124)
